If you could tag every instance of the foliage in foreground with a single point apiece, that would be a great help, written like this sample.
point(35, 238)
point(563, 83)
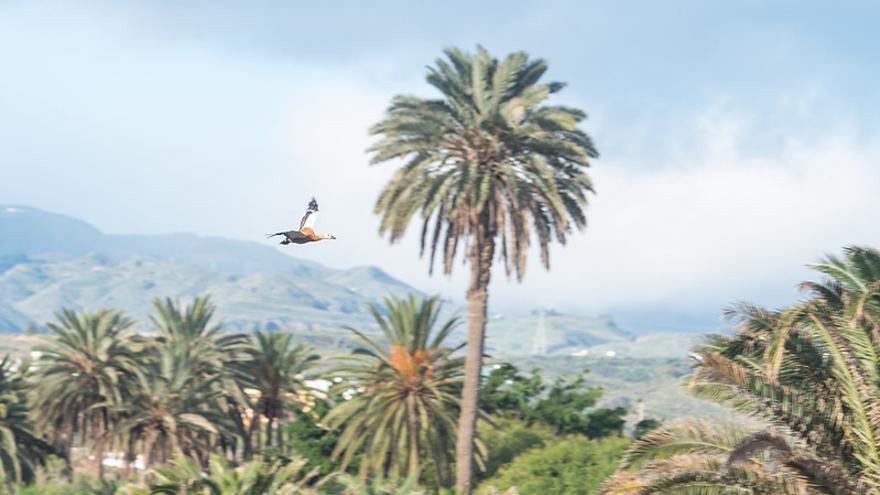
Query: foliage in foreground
point(182, 476)
point(173, 400)
point(811, 371)
point(253, 478)
point(698, 456)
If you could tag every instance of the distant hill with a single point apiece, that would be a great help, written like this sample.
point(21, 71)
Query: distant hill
point(26, 231)
point(49, 261)
point(562, 333)
point(34, 290)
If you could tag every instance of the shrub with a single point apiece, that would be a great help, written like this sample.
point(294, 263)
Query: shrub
point(572, 466)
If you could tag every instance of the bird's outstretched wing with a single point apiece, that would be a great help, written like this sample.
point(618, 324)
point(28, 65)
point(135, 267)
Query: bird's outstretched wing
point(292, 235)
point(308, 220)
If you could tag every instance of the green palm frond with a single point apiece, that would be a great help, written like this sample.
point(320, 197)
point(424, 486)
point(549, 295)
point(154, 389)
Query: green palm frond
point(811, 370)
point(400, 397)
point(86, 368)
point(174, 410)
point(256, 477)
point(489, 158)
point(276, 370)
point(21, 449)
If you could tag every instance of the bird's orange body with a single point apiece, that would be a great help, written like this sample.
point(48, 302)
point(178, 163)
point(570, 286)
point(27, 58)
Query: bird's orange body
point(306, 233)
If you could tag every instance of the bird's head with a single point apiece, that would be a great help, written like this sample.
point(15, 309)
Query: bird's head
point(329, 236)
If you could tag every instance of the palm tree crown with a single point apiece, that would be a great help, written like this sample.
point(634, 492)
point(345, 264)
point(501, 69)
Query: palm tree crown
point(189, 327)
point(811, 373)
point(172, 410)
point(276, 369)
point(404, 395)
point(485, 159)
point(84, 371)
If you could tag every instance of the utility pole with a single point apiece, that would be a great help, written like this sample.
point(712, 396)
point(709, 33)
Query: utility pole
point(540, 344)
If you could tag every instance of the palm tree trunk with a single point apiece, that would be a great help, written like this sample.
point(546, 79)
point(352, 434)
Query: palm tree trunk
point(129, 455)
point(413, 468)
point(68, 445)
point(269, 418)
point(477, 299)
point(253, 432)
point(149, 443)
point(259, 432)
point(100, 430)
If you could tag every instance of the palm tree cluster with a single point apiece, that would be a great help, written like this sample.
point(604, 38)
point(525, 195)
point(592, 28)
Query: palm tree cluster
point(490, 167)
point(808, 375)
point(183, 392)
point(189, 396)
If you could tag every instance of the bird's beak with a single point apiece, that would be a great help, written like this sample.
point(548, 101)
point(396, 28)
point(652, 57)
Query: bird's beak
point(333, 237)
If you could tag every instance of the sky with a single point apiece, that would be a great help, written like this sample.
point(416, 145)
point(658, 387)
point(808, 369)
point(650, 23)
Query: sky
point(738, 141)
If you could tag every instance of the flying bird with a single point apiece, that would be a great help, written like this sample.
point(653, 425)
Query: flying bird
point(306, 232)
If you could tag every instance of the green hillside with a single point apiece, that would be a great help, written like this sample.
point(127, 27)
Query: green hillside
point(34, 290)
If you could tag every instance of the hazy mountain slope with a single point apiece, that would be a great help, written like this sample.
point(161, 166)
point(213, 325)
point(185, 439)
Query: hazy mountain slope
point(50, 261)
point(656, 345)
point(562, 333)
point(39, 234)
point(37, 289)
point(25, 230)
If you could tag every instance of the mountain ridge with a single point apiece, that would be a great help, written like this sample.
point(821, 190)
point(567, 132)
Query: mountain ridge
point(50, 260)
point(253, 285)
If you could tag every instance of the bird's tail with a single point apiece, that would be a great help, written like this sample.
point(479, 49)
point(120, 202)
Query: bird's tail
point(273, 235)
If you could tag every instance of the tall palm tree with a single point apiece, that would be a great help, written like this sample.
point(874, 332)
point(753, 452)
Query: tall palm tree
point(483, 165)
point(21, 450)
point(276, 369)
point(402, 398)
point(173, 411)
point(812, 372)
point(85, 369)
point(212, 355)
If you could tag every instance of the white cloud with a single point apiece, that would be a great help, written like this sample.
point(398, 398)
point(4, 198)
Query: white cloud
point(138, 135)
point(717, 223)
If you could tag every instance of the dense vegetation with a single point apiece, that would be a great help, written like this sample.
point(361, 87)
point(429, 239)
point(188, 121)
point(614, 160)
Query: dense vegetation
point(143, 412)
